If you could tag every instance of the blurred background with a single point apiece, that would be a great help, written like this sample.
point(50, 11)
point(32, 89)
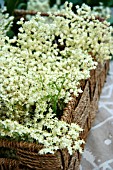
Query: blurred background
point(24, 4)
point(103, 8)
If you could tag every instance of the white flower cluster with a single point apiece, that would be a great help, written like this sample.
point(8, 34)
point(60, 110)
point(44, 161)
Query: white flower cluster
point(102, 11)
point(91, 34)
point(5, 24)
point(38, 5)
point(42, 5)
point(50, 132)
point(39, 73)
point(5, 21)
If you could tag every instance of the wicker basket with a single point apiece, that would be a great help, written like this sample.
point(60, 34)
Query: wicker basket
point(82, 110)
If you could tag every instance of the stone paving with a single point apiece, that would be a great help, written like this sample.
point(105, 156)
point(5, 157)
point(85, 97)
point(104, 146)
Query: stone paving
point(98, 153)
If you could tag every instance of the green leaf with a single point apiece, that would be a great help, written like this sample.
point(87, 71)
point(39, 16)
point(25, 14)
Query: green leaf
point(22, 6)
point(92, 3)
point(110, 3)
point(15, 4)
point(11, 5)
point(111, 20)
point(52, 2)
point(76, 1)
point(96, 2)
point(10, 33)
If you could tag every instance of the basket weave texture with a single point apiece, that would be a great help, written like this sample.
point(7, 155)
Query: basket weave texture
point(82, 110)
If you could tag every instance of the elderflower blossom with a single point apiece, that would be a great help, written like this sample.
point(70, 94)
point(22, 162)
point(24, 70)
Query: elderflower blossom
point(39, 5)
point(41, 71)
point(43, 5)
point(91, 34)
point(102, 11)
point(5, 25)
point(5, 21)
point(51, 141)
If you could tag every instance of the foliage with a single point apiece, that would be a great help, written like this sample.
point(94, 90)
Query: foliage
point(92, 3)
point(15, 4)
point(22, 4)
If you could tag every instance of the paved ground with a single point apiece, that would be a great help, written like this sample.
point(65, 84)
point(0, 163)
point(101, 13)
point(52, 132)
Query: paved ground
point(98, 153)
